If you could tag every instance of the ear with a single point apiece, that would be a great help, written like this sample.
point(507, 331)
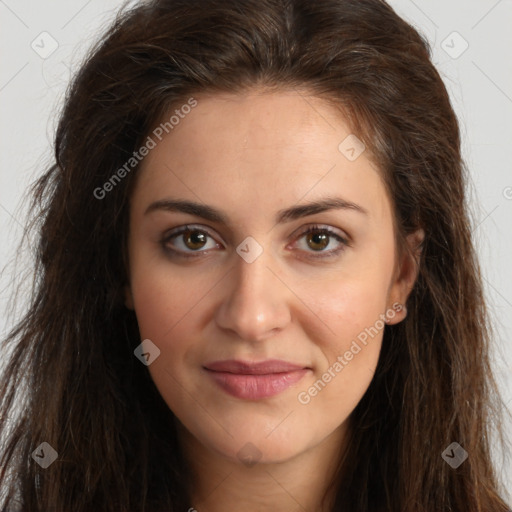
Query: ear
point(406, 272)
point(128, 297)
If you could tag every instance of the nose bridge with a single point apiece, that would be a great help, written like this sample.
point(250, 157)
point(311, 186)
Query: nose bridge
point(254, 277)
point(255, 303)
point(251, 262)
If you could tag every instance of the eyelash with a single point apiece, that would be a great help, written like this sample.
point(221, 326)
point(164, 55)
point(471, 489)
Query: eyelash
point(199, 253)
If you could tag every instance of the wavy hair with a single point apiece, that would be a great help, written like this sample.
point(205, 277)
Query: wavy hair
point(72, 365)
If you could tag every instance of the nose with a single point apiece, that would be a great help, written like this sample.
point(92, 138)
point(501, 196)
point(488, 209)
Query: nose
point(256, 302)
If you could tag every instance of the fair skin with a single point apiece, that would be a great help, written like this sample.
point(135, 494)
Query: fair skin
point(250, 156)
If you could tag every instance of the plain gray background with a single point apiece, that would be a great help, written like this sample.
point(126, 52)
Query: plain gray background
point(42, 42)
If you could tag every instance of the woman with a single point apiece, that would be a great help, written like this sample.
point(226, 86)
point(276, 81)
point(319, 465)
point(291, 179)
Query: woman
point(256, 287)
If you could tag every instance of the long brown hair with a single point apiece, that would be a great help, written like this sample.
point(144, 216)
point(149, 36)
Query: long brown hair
point(72, 371)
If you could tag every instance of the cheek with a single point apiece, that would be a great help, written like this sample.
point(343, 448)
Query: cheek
point(348, 332)
point(169, 310)
point(164, 310)
point(162, 300)
point(348, 305)
point(164, 307)
point(351, 350)
point(347, 357)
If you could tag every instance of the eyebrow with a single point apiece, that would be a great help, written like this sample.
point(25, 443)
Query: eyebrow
point(282, 216)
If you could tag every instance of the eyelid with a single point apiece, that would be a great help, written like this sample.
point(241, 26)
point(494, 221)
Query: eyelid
point(322, 227)
point(187, 227)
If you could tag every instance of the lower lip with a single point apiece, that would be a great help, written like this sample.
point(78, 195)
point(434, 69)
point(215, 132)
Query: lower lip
point(256, 387)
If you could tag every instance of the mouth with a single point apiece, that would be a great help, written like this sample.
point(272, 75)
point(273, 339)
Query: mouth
point(255, 381)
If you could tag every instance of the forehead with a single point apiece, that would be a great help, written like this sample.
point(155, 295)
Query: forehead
point(259, 150)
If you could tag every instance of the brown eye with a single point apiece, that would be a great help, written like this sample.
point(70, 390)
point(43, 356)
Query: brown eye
point(188, 241)
point(317, 241)
point(194, 239)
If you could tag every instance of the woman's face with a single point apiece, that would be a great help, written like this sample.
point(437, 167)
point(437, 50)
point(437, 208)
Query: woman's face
point(267, 334)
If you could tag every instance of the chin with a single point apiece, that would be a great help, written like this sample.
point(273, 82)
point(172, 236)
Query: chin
point(251, 443)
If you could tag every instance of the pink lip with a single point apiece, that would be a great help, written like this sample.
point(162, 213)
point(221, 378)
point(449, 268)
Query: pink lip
point(254, 381)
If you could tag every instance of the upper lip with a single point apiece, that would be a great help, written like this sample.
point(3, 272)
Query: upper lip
point(253, 368)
